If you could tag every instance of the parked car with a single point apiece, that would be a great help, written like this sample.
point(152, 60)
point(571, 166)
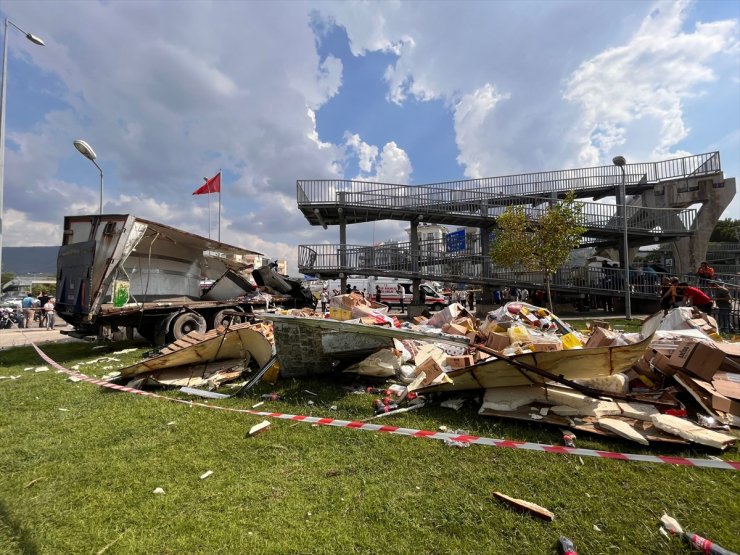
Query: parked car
point(11, 301)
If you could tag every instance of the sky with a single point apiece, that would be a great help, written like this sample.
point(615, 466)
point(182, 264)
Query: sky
point(402, 92)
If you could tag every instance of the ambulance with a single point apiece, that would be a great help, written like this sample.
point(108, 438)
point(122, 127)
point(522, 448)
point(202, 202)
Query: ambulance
point(389, 291)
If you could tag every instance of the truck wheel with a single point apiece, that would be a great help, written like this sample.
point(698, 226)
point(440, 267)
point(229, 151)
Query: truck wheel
point(185, 323)
point(220, 319)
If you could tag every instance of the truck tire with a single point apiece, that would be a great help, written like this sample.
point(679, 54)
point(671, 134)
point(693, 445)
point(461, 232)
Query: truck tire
point(185, 323)
point(220, 319)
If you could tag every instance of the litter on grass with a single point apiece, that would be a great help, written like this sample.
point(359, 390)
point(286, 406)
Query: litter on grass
point(676, 381)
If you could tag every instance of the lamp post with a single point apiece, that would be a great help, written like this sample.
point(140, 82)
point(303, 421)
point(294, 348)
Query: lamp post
point(87, 151)
point(36, 40)
point(620, 162)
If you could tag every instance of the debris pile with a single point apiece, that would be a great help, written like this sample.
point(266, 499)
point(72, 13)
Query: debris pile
point(673, 382)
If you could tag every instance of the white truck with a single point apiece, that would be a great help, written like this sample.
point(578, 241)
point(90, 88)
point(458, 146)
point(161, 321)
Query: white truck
point(120, 272)
point(389, 290)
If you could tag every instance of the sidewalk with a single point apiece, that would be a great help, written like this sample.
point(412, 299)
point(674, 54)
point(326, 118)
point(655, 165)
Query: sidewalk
point(15, 337)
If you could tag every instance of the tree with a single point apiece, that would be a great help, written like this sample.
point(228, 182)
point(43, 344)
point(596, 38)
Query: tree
point(5, 277)
point(726, 231)
point(539, 245)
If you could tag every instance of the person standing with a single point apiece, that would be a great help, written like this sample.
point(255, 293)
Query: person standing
point(724, 304)
point(43, 299)
point(27, 305)
point(401, 294)
point(378, 295)
point(48, 311)
point(324, 298)
point(705, 273)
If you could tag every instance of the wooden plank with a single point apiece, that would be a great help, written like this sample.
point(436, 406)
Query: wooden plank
point(181, 344)
point(532, 508)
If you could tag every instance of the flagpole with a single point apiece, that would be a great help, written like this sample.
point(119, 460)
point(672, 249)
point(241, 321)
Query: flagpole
point(209, 215)
point(219, 204)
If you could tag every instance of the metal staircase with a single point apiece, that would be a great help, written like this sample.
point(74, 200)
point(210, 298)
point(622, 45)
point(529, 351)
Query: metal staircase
point(477, 203)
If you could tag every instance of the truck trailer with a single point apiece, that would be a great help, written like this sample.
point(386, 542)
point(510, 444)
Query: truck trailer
point(117, 273)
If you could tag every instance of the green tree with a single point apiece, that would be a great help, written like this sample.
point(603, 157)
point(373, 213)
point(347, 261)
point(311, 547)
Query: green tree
point(539, 245)
point(5, 277)
point(726, 231)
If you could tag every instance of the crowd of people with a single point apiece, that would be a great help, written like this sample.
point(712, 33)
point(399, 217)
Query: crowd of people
point(41, 308)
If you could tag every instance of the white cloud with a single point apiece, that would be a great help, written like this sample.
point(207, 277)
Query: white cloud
point(391, 165)
point(471, 115)
point(642, 83)
point(168, 95)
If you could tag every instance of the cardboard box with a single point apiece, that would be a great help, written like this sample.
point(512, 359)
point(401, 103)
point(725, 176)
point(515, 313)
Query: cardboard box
point(461, 361)
point(497, 341)
point(710, 396)
point(663, 364)
point(542, 346)
point(430, 368)
point(699, 359)
point(601, 338)
point(472, 337)
point(455, 329)
point(727, 384)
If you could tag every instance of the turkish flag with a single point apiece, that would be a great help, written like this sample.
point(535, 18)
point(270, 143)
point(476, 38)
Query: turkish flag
point(213, 185)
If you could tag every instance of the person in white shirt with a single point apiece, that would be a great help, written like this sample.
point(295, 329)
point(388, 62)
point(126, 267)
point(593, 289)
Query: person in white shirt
point(48, 309)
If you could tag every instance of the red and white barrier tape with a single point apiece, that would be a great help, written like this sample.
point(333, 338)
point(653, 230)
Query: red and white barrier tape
point(477, 440)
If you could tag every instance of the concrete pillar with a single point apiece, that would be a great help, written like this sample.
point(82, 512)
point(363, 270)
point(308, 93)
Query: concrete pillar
point(415, 282)
point(714, 194)
point(343, 251)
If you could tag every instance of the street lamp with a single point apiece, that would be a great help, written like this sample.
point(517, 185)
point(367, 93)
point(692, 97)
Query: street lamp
point(87, 151)
point(36, 40)
point(620, 162)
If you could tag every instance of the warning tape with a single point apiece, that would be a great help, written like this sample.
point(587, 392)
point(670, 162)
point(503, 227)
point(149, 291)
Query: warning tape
point(410, 432)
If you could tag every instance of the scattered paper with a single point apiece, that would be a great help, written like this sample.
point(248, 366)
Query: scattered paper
point(64, 410)
point(258, 404)
point(41, 369)
point(160, 491)
point(206, 474)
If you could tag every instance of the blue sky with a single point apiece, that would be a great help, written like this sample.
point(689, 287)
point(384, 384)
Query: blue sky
point(403, 92)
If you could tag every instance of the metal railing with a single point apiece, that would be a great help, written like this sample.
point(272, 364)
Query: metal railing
point(433, 262)
point(596, 215)
point(328, 191)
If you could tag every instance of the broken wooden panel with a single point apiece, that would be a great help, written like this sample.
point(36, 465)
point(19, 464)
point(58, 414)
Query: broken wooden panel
point(583, 424)
point(210, 375)
point(572, 364)
point(622, 429)
point(692, 432)
point(240, 341)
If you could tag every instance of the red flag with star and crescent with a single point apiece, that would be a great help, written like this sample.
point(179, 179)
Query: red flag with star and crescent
point(212, 185)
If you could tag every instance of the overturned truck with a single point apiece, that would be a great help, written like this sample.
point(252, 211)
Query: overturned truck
point(117, 273)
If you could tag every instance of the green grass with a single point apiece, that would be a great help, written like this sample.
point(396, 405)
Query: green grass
point(298, 488)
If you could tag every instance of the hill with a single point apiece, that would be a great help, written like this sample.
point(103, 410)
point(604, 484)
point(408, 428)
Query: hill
point(30, 260)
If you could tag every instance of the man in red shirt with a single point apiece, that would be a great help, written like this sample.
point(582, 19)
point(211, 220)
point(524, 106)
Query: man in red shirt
point(705, 273)
point(698, 298)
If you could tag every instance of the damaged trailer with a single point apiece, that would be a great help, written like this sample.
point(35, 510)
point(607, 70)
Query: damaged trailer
point(117, 273)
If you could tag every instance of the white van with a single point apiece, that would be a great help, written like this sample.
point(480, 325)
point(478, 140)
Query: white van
point(389, 293)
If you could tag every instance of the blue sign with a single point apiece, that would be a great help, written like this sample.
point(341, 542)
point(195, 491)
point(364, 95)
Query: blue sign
point(455, 241)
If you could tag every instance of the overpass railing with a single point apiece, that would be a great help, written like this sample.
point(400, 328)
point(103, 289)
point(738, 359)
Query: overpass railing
point(326, 191)
point(433, 262)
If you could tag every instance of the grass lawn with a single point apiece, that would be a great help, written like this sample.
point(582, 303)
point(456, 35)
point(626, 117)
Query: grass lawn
point(81, 480)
